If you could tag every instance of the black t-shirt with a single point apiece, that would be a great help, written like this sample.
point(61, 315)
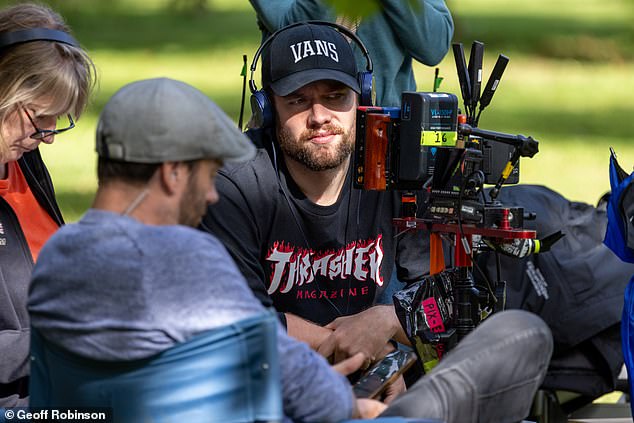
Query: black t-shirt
point(317, 262)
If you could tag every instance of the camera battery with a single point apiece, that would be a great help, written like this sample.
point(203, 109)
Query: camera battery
point(428, 121)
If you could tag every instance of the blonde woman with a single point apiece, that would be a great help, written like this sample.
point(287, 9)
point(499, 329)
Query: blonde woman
point(45, 82)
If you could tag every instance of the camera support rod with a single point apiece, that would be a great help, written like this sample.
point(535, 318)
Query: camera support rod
point(527, 146)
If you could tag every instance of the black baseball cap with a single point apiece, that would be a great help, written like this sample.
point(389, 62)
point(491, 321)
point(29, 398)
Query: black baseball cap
point(307, 53)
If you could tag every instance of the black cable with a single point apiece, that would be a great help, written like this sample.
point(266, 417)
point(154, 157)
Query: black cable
point(460, 229)
point(489, 287)
point(477, 118)
point(345, 232)
point(301, 229)
point(498, 266)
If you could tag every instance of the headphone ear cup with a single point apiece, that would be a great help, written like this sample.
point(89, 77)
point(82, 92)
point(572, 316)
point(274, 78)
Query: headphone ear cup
point(261, 109)
point(367, 93)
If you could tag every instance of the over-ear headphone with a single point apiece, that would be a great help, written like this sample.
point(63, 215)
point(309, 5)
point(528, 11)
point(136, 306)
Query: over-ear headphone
point(261, 106)
point(35, 34)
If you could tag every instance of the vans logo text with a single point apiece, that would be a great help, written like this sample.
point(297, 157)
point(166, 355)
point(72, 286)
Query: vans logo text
point(304, 49)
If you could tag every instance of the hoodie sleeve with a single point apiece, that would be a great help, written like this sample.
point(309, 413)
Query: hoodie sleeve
point(312, 390)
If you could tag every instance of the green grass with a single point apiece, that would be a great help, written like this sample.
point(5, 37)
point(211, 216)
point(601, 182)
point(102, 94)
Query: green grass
point(569, 81)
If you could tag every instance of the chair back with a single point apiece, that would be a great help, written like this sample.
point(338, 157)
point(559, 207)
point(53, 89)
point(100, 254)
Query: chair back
point(230, 374)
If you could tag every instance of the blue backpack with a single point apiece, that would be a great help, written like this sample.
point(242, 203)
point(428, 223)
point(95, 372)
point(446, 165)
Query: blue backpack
point(619, 237)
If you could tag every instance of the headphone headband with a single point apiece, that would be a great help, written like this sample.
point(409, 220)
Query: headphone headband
point(261, 106)
point(36, 34)
point(341, 29)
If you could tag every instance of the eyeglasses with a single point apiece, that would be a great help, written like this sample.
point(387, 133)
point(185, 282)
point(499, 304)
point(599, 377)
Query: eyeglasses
point(43, 133)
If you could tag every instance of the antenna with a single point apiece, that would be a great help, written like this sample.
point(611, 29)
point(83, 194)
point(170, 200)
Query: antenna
point(475, 74)
point(243, 74)
point(463, 76)
point(437, 79)
point(492, 83)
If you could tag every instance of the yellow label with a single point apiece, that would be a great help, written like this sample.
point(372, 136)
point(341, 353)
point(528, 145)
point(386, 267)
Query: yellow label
point(438, 138)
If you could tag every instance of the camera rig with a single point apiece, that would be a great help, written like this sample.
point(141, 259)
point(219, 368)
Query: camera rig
point(428, 146)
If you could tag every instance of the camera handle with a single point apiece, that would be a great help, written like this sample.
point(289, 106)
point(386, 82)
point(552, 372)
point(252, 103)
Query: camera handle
point(528, 146)
point(522, 147)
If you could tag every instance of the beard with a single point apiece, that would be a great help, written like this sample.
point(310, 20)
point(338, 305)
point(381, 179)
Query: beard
point(193, 205)
point(317, 157)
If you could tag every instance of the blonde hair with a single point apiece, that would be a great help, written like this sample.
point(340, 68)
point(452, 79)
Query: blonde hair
point(41, 69)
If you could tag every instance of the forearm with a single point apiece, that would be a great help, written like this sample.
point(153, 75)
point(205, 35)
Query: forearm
point(394, 325)
point(306, 331)
point(399, 333)
point(424, 30)
point(311, 390)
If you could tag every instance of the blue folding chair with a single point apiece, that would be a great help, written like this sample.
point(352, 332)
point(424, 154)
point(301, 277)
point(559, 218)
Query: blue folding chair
point(229, 374)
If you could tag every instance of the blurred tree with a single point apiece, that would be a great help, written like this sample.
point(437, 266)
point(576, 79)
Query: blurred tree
point(194, 6)
point(359, 9)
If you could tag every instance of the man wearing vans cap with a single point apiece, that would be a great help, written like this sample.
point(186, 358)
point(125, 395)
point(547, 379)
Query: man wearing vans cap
point(322, 253)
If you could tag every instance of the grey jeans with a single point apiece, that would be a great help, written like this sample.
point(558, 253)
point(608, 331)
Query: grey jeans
point(490, 376)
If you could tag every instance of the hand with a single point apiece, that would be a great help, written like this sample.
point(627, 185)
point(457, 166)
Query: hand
point(394, 389)
point(365, 332)
point(349, 365)
point(368, 408)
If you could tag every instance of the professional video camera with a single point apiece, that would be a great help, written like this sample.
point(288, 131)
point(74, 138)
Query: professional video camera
point(424, 143)
point(428, 145)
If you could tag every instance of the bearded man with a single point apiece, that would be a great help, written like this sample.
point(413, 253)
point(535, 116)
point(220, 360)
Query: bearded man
point(319, 251)
point(308, 243)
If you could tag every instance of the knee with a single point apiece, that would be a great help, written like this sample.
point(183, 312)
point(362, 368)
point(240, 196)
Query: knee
point(513, 336)
point(527, 330)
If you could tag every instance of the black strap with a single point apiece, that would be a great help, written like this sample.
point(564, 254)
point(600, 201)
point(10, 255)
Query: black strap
point(19, 387)
point(36, 34)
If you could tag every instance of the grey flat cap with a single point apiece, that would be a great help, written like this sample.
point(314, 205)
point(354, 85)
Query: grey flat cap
point(161, 120)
